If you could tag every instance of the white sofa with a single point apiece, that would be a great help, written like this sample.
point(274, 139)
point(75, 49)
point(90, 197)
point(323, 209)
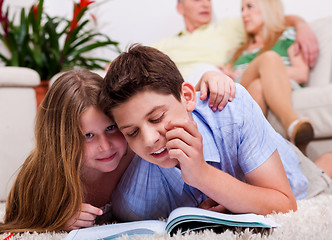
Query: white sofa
point(18, 110)
point(315, 100)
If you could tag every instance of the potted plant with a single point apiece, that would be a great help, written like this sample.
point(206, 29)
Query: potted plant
point(52, 44)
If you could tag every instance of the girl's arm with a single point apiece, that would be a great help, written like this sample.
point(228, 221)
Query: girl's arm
point(219, 87)
point(299, 70)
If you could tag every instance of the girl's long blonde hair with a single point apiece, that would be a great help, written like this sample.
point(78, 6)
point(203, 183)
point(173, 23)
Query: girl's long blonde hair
point(48, 189)
point(274, 25)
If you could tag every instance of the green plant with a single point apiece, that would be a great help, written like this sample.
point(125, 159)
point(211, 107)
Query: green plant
point(52, 44)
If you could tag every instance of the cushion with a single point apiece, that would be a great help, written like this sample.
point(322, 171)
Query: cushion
point(314, 103)
point(18, 76)
point(321, 73)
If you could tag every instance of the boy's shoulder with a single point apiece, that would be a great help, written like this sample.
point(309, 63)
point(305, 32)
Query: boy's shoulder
point(232, 113)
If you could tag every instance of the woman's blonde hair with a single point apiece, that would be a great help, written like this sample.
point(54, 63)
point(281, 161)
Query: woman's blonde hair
point(274, 25)
point(48, 189)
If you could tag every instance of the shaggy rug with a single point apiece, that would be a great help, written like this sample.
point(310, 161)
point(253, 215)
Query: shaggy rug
point(312, 220)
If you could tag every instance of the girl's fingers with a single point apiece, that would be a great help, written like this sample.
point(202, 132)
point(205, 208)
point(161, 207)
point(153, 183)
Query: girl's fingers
point(88, 208)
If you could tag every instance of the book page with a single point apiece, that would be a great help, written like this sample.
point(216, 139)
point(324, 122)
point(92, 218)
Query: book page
point(112, 231)
point(188, 214)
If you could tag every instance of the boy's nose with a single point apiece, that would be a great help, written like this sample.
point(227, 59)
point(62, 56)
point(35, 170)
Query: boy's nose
point(151, 136)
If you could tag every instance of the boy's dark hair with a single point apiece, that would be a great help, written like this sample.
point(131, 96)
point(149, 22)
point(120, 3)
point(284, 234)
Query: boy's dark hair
point(140, 68)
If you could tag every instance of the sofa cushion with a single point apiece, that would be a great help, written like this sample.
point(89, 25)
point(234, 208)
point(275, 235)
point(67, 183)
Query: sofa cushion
point(314, 103)
point(321, 74)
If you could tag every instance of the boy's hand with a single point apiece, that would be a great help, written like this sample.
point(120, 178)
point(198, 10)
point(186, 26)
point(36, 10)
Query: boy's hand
point(220, 87)
point(185, 143)
point(84, 218)
point(212, 205)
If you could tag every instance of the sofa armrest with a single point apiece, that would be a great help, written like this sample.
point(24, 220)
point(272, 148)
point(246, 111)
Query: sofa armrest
point(18, 77)
point(314, 103)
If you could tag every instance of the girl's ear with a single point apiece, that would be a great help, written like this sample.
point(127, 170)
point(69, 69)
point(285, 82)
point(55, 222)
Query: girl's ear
point(188, 95)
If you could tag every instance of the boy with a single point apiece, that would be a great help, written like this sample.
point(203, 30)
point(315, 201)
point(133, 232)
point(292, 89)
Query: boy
point(245, 159)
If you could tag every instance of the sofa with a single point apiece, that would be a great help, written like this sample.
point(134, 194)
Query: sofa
point(315, 100)
point(18, 110)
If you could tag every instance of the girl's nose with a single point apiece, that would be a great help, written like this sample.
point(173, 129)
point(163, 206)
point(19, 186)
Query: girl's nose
point(104, 144)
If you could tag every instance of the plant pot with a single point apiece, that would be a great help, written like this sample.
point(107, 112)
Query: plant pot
point(41, 91)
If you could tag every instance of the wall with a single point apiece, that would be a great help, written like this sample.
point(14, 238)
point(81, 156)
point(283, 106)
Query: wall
point(147, 21)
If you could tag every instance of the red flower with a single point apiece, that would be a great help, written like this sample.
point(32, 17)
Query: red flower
point(78, 8)
point(35, 10)
point(4, 20)
point(1, 5)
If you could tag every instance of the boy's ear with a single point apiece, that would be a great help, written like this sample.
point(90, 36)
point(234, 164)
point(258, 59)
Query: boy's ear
point(188, 95)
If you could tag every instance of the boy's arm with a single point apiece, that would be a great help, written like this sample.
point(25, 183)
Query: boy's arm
point(267, 188)
point(306, 41)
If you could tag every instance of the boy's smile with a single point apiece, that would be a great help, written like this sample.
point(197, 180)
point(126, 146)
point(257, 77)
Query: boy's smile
point(142, 121)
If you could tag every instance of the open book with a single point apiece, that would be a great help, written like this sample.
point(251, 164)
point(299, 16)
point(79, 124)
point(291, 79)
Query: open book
point(183, 219)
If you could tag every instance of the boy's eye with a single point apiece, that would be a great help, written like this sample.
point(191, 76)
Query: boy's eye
point(133, 133)
point(157, 120)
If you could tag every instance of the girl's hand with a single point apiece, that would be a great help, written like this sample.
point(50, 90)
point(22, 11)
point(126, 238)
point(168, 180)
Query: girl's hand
point(220, 88)
point(185, 143)
point(84, 218)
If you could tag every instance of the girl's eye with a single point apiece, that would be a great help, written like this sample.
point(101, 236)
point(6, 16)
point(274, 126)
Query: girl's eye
point(88, 135)
point(157, 120)
point(111, 127)
point(133, 134)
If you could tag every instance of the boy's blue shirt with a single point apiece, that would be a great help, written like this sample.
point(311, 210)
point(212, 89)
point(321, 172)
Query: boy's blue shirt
point(237, 140)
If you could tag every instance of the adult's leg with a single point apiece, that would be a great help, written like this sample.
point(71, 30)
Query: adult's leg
point(256, 91)
point(271, 71)
point(276, 89)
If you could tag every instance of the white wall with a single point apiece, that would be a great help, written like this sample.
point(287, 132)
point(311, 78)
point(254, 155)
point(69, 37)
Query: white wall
point(147, 21)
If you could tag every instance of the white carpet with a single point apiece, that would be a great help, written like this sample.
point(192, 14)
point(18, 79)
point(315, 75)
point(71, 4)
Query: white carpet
point(313, 220)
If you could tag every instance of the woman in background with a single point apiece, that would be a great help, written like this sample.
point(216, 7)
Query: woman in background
point(267, 66)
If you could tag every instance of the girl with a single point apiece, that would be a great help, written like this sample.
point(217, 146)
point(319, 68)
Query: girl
point(56, 186)
point(262, 71)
